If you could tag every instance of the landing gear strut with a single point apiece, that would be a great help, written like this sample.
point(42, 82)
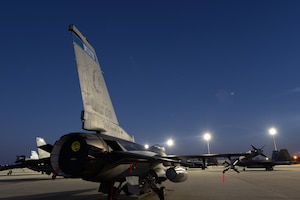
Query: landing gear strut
point(111, 190)
point(114, 192)
point(160, 191)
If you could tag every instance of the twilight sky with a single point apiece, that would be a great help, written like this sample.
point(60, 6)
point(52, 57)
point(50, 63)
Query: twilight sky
point(173, 68)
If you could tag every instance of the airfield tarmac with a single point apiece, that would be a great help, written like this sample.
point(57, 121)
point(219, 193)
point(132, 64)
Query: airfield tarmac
point(282, 183)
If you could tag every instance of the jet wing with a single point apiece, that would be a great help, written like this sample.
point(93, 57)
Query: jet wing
point(7, 167)
point(39, 165)
point(152, 157)
point(184, 160)
point(203, 156)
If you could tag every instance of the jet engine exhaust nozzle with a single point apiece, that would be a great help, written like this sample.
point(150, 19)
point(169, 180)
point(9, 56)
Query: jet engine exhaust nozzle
point(73, 153)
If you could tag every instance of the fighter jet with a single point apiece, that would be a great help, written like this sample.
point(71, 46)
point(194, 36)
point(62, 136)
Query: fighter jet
point(39, 162)
point(108, 154)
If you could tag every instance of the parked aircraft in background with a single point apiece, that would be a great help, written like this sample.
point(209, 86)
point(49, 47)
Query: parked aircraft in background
point(281, 157)
point(203, 162)
point(39, 162)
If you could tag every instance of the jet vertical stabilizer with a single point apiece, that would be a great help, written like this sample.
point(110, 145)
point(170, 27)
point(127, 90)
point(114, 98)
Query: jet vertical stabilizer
point(34, 155)
point(284, 157)
point(98, 114)
point(42, 153)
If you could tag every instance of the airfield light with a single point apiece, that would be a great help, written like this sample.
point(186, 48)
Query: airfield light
point(146, 146)
point(295, 158)
point(273, 131)
point(170, 142)
point(207, 137)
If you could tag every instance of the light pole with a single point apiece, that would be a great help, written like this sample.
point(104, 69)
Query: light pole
point(207, 137)
point(273, 131)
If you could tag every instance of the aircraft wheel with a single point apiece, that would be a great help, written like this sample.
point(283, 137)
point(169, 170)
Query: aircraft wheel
point(269, 168)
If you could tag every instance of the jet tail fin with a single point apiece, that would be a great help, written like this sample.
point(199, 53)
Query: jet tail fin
point(98, 114)
point(34, 155)
point(281, 157)
point(284, 156)
point(42, 153)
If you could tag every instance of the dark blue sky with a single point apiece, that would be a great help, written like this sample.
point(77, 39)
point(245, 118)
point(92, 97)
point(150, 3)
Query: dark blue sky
point(174, 69)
